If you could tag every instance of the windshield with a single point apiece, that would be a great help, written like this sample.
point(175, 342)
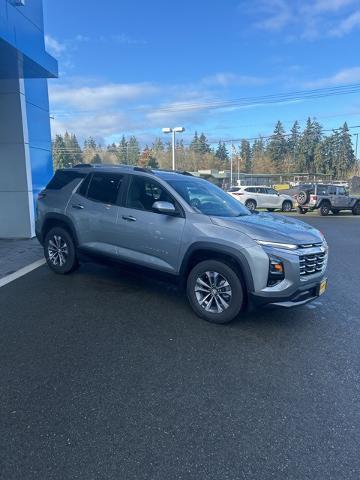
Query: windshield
point(206, 198)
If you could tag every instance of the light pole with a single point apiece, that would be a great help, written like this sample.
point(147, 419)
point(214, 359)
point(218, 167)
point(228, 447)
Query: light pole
point(173, 131)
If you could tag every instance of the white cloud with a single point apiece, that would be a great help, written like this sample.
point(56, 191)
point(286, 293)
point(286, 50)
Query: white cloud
point(99, 97)
point(307, 19)
point(343, 77)
point(347, 25)
point(231, 79)
point(54, 47)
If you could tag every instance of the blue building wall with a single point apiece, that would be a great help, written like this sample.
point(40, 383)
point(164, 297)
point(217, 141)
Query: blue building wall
point(24, 68)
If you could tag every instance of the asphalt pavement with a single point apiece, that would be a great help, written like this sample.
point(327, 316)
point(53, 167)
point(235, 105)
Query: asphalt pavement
point(109, 375)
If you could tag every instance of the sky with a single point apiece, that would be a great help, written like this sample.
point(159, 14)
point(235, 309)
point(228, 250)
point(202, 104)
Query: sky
point(131, 68)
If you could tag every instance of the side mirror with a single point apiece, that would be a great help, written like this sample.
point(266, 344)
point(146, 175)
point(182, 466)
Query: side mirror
point(164, 207)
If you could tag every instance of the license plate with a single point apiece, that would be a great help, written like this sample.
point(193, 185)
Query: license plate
point(322, 286)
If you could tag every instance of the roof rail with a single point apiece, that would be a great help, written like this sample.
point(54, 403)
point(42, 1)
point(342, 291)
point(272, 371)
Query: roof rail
point(83, 165)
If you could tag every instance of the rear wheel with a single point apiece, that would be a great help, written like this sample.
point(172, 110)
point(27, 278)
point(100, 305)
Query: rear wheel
point(60, 251)
point(324, 209)
point(286, 206)
point(215, 291)
point(356, 209)
point(251, 205)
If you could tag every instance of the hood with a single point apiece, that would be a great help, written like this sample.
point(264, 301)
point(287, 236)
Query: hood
point(271, 227)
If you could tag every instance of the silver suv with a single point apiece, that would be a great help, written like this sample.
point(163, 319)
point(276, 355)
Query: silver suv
point(227, 257)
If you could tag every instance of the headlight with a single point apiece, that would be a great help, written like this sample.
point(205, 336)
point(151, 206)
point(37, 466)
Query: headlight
point(285, 246)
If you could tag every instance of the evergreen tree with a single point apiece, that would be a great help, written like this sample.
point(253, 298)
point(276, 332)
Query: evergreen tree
point(221, 152)
point(245, 154)
point(195, 143)
point(309, 142)
point(203, 144)
point(133, 151)
point(123, 150)
point(345, 156)
point(277, 147)
point(96, 158)
point(90, 143)
point(74, 149)
point(60, 159)
point(293, 144)
point(152, 162)
point(158, 145)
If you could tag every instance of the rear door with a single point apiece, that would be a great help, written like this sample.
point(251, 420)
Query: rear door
point(149, 238)
point(93, 210)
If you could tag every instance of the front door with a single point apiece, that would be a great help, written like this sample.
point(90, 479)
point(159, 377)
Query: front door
point(150, 238)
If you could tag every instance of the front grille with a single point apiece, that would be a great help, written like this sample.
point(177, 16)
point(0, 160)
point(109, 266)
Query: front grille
point(312, 263)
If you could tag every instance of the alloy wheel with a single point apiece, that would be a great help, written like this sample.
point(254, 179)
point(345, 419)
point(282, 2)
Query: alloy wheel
point(58, 251)
point(213, 292)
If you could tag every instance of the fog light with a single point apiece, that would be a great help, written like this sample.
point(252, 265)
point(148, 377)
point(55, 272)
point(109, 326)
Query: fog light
point(276, 271)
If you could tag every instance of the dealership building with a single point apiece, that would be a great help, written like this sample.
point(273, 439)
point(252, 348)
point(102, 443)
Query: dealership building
point(25, 140)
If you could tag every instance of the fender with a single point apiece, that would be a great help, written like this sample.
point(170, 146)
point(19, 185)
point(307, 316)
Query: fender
point(234, 253)
point(55, 218)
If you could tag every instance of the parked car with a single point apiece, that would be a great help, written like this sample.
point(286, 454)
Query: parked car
point(262, 197)
point(326, 198)
point(227, 257)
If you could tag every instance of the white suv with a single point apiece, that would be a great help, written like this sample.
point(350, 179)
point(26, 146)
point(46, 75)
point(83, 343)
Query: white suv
point(262, 197)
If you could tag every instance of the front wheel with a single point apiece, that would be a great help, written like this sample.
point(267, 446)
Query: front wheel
point(215, 291)
point(60, 251)
point(286, 206)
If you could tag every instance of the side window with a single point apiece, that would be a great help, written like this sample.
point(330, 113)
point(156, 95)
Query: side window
point(104, 187)
point(84, 186)
point(341, 191)
point(144, 192)
point(63, 178)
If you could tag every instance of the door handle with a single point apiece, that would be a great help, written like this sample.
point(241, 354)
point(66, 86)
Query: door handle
point(78, 206)
point(129, 218)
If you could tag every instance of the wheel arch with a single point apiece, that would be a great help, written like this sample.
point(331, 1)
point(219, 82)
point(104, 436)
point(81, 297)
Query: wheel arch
point(57, 220)
point(203, 251)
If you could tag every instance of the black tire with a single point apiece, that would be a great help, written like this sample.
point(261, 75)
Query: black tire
point(324, 209)
point(302, 211)
point(356, 209)
point(335, 211)
point(270, 209)
point(197, 293)
point(303, 197)
point(251, 205)
point(60, 241)
point(287, 206)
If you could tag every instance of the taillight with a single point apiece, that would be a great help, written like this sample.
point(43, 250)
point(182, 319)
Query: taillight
point(238, 193)
point(41, 195)
point(313, 197)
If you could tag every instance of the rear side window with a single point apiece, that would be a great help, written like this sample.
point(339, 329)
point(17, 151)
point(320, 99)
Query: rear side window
point(63, 178)
point(104, 187)
point(250, 189)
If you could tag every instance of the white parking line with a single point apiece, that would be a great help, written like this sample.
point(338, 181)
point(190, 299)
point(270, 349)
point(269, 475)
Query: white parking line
point(20, 273)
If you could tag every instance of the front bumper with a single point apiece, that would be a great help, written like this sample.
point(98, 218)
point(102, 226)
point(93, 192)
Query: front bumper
point(304, 294)
point(304, 273)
